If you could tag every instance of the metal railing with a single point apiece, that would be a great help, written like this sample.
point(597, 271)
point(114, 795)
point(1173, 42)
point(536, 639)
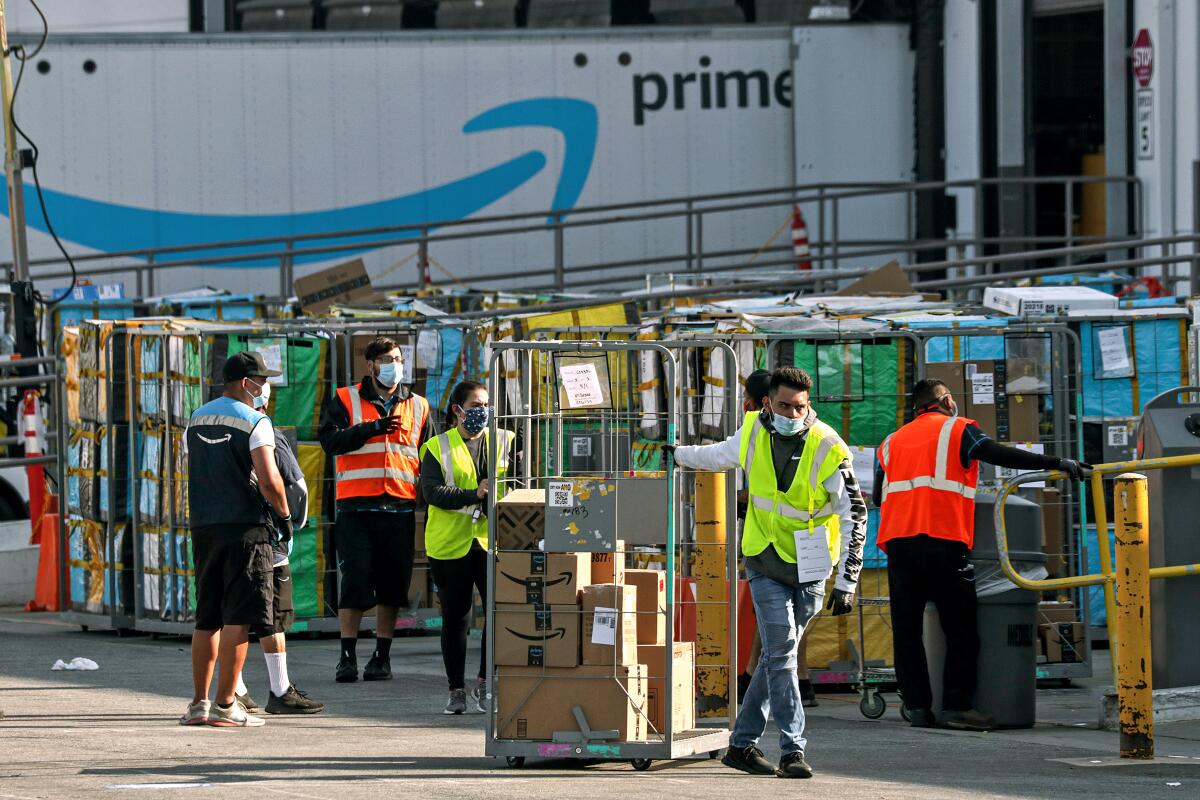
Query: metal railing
point(831, 204)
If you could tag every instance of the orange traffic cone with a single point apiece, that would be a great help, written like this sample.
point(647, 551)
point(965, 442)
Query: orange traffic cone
point(800, 240)
point(46, 596)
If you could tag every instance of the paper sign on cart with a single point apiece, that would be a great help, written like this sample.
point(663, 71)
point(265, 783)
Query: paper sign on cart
point(983, 389)
point(1114, 352)
point(604, 626)
point(863, 462)
point(812, 555)
point(582, 385)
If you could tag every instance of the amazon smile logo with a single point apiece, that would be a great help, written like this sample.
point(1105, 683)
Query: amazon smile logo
point(111, 227)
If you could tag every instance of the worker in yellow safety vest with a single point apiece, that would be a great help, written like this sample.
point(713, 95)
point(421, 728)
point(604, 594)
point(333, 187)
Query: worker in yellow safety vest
point(457, 484)
point(805, 517)
point(373, 430)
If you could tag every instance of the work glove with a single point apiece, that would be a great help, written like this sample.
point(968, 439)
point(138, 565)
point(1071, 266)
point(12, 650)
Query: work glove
point(1078, 470)
point(668, 450)
point(283, 529)
point(840, 602)
point(383, 425)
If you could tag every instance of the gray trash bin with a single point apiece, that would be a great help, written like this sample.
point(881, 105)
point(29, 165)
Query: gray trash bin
point(1007, 681)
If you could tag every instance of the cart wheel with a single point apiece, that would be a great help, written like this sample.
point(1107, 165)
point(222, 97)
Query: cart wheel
point(83, 628)
point(872, 705)
point(905, 713)
point(516, 762)
point(714, 754)
point(640, 764)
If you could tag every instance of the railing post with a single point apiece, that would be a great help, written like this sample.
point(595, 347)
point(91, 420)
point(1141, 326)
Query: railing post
point(977, 187)
point(287, 272)
point(699, 242)
point(1069, 217)
point(560, 272)
point(149, 277)
point(834, 211)
point(690, 248)
point(1135, 695)
point(1194, 283)
point(423, 259)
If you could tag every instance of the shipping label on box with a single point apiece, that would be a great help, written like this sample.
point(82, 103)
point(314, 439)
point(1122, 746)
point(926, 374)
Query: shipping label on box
point(537, 636)
point(535, 703)
point(609, 624)
point(683, 683)
point(1064, 642)
point(534, 577)
point(651, 604)
point(609, 567)
point(342, 283)
point(521, 519)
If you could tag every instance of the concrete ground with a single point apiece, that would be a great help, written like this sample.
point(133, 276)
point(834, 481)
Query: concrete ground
point(110, 732)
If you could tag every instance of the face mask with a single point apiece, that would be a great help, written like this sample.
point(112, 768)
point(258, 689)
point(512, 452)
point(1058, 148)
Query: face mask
point(389, 374)
point(260, 401)
point(786, 426)
point(476, 419)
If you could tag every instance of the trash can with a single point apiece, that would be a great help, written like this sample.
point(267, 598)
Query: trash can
point(1007, 678)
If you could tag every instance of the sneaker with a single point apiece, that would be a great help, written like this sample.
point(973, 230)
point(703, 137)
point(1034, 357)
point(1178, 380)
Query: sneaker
point(457, 703)
point(477, 699)
point(247, 702)
point(748, 759)
point(293, 701)
point(196, 714)
point(808, 695)
point(793, 765)
point(378, 669)
point(921, 718)
point(233, 717)
point(347, 671)
point(969, 720)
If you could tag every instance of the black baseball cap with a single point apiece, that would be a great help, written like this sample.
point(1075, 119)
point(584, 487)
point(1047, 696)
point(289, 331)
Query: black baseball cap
point(247, 364)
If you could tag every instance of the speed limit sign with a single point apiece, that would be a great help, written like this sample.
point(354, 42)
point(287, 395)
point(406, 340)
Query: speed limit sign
point(1144, 131)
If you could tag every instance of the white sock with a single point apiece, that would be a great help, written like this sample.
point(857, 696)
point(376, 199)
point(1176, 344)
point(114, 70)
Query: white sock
point(277, 669)
point(241, 686)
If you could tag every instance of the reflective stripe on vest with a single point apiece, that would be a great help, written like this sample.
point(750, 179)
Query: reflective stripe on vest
point(926, 490)
point(449, 532)
point(388, 464)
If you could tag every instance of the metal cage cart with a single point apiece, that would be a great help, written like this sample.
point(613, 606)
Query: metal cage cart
point(589, 658)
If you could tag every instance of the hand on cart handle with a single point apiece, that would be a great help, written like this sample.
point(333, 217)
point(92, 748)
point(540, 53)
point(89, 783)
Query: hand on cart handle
point(840, 602)
point(383, 425)
point(482, 491)
point(1078, 470)
point(668, 450)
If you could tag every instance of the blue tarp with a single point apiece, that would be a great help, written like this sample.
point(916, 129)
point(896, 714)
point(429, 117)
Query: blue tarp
point(1157, 364)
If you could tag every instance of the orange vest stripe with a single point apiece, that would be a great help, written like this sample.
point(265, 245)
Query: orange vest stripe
point(926, 489)
point(387, 464)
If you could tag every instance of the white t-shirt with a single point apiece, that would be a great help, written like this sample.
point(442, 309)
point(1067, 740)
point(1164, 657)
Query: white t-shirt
point(263, 434)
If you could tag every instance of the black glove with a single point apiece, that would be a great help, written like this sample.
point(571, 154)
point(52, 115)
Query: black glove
point(283, 527)
point(1078, 470)
point(840, 602)
point(668, 450)
point(383, 425)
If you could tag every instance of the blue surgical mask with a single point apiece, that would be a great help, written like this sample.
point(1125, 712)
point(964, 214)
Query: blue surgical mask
point(260, 400)
point(476, 419)
point(786, 426)
point(389, 374)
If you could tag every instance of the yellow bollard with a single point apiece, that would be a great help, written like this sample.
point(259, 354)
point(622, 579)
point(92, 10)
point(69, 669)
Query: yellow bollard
point(712, 595)
point(1135, 677)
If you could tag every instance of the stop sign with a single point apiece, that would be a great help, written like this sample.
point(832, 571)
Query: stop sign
point(1143, 58)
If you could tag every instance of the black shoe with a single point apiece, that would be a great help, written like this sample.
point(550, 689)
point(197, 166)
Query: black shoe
point(347, 671)
point(743, 686)
point(921, 718)
point(378, 669)
point(793, 765)
point(969, 720)
point(247, 702)
point(808, 695)
point(293, 701)
point(748, 759)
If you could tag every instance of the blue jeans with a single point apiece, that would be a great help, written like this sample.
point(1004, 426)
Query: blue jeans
point(782, 614)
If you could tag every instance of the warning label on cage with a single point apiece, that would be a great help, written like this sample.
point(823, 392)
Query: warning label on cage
point(581, 446)
point(1118, 436)
point(604, 626)
point(560, 494)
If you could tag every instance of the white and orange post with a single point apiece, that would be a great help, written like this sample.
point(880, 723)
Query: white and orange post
point(800, 249)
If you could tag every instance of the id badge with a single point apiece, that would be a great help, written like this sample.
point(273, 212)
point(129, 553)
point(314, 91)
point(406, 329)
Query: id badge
point(812, 555)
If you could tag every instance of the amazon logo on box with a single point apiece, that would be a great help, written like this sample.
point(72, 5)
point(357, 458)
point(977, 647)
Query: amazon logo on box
point(533, 577)
point(537, 635)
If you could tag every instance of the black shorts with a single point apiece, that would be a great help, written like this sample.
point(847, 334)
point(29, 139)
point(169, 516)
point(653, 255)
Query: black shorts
point(283, 613)
point(374, 557)
point(233, 576)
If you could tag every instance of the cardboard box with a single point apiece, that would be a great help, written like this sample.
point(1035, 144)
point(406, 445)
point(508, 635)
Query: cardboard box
point(521, 519)
point(537, 636)
point(1064, 642)
point(534, 702)
point(1042, 301)
point(683, 680)
point(342, 283)
point(609, 567)
point(535, 577)
point(1053, 540)
point(1053, 613)
point(651, 604)
point(609, 624)
point(981, 390)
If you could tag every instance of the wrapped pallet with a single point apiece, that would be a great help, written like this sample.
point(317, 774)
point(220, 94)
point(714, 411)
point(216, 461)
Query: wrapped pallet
point(117, 438)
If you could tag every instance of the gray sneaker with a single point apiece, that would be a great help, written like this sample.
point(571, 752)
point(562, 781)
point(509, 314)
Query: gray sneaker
point(477, 700)
point(196, 714)
point(233, 717)
point(457, 704)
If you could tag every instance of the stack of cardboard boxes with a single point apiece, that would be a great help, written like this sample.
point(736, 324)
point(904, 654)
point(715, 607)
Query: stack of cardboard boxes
point(579, 629)
point(1060, 637)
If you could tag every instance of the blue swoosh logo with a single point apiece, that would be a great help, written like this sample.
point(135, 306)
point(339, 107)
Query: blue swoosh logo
point(111, 227)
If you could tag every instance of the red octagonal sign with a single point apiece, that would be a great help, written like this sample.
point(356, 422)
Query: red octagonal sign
point(1143, 58)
